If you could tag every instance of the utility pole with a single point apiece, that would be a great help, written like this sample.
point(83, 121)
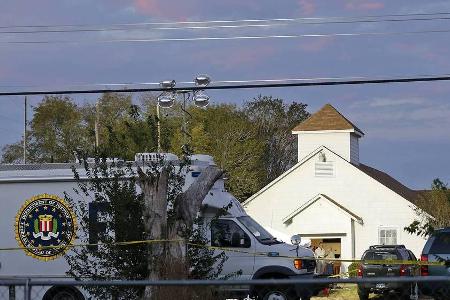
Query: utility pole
point(25, 132)
point(97, 120)
point(158, 115)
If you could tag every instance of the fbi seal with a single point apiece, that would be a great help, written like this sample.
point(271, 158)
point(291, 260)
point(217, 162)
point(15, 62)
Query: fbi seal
point(45, 225)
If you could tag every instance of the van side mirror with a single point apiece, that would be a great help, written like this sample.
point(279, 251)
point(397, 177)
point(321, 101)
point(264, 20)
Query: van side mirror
point(296, 239)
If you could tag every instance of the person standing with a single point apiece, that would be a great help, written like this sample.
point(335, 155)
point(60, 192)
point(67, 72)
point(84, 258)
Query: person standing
point(320, 254)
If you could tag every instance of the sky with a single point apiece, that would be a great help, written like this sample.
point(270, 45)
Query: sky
point(406, 126)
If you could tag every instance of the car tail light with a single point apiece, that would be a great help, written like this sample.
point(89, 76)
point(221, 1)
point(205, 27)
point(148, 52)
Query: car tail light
point(360, 271)
point(298, 264)
point(424, 268)
point(403, 270)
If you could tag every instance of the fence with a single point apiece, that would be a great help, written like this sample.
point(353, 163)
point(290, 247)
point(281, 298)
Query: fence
point(438, 286)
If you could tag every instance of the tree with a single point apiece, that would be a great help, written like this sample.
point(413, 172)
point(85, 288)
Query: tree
point(56, 130)
point(433, 210)
point(171, 225)
point(159, 210)
point(110, 191)
point(274, 121)
point(225, 132)
point(12, 153)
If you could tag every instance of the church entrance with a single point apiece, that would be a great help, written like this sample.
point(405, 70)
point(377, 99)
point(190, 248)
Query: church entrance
point(331, 249)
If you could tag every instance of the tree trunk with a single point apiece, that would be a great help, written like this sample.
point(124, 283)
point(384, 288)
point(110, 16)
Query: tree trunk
point(154, 188)
point(187, 205)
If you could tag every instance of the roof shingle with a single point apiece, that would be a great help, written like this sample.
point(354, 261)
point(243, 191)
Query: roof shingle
point(327, 118)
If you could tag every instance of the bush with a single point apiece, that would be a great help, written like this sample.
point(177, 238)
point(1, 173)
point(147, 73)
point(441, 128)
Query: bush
point(353, 269)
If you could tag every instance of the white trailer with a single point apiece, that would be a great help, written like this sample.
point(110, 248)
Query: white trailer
point(23, 219)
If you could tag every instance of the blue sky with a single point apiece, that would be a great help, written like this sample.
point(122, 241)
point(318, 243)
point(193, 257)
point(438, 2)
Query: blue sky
point(407, 126)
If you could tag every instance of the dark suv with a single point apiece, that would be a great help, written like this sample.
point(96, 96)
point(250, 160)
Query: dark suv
point(378, 265)
point(437, 249)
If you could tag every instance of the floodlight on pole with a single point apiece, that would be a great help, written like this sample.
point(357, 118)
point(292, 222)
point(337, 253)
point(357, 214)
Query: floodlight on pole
point(202, 80)
point(166, 99)
point(168, 84)
point(201, 99)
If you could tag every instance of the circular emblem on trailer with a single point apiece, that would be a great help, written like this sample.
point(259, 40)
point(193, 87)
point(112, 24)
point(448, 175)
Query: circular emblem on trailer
point(45, 225)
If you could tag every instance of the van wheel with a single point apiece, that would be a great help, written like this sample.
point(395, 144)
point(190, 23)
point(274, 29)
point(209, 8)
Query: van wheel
point(276, 293)
point(63, 293)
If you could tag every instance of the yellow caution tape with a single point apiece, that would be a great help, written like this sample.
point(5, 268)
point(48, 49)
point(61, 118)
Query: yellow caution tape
point(127, 243)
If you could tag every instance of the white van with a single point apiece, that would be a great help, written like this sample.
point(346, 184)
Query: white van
point(259, 255)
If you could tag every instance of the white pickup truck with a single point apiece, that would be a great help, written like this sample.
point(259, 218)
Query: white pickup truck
point(260, 255)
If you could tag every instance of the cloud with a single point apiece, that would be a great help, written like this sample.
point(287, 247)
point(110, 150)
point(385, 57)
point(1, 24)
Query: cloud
point(232, 57)
point(405, 119)
point(317, 44)
point(164, 9)
point(392, 102)
point(364, 5)
point(307, 7)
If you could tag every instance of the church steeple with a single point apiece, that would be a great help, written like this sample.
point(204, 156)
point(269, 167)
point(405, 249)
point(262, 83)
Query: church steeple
point(328, 127)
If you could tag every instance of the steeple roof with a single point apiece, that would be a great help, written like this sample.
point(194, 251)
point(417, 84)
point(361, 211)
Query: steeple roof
point(327, 118)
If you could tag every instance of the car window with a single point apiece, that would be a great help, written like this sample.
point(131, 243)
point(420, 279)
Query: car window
point(226, 233)
point(441, 244)
point(382, 255)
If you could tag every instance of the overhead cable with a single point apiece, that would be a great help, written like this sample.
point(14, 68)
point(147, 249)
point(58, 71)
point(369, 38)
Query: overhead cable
point(215, 86)
point(237, 26)
point(236, 21)
point(223, 38)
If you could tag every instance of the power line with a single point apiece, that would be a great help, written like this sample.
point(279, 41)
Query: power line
point(248, 37)
point(242, 85)
point(126, 84)
point(272, 23)
point(235, 21)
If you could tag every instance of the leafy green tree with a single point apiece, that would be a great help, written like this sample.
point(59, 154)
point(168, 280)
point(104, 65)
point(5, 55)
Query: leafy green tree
point(225, 132)
point(124, 127)
point(56, 130)
point(112, 190)
point(274, 121)
point(12, 153)
point(433, 210)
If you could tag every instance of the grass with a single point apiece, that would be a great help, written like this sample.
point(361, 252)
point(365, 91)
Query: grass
point(349, 292)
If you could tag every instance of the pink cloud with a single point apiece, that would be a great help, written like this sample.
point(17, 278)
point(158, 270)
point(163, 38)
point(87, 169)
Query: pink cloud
point(316, 45)
point(163, 9)
point(307, 7)
point(364, 5)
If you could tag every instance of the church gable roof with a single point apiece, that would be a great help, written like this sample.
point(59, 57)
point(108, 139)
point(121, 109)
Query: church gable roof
point(327, 118)
point(312, 201)
point(379, 176)
point(391, 183)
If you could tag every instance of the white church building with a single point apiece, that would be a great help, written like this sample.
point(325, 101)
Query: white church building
point(329, 196)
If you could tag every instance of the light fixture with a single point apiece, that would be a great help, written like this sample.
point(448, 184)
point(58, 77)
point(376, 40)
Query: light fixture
point(202, 80)
point(168, 84)
point(166, 99)
point(201, 99)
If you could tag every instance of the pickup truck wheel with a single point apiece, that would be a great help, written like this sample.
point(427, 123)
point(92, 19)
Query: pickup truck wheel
point(363, 294)
point(277, 293)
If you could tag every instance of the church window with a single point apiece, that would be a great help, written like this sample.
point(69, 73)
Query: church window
point(387, 236)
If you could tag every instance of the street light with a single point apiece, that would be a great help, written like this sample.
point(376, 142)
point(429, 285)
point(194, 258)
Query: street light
point(202, 80)
point(201, 99)
point(168, 97)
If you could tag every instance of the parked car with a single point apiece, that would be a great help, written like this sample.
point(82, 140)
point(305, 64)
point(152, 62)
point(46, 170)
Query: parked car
point(437, 249)
point(381, 255)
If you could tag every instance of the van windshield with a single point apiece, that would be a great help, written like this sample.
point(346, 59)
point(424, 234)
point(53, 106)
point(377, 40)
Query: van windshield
point(262, 235)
